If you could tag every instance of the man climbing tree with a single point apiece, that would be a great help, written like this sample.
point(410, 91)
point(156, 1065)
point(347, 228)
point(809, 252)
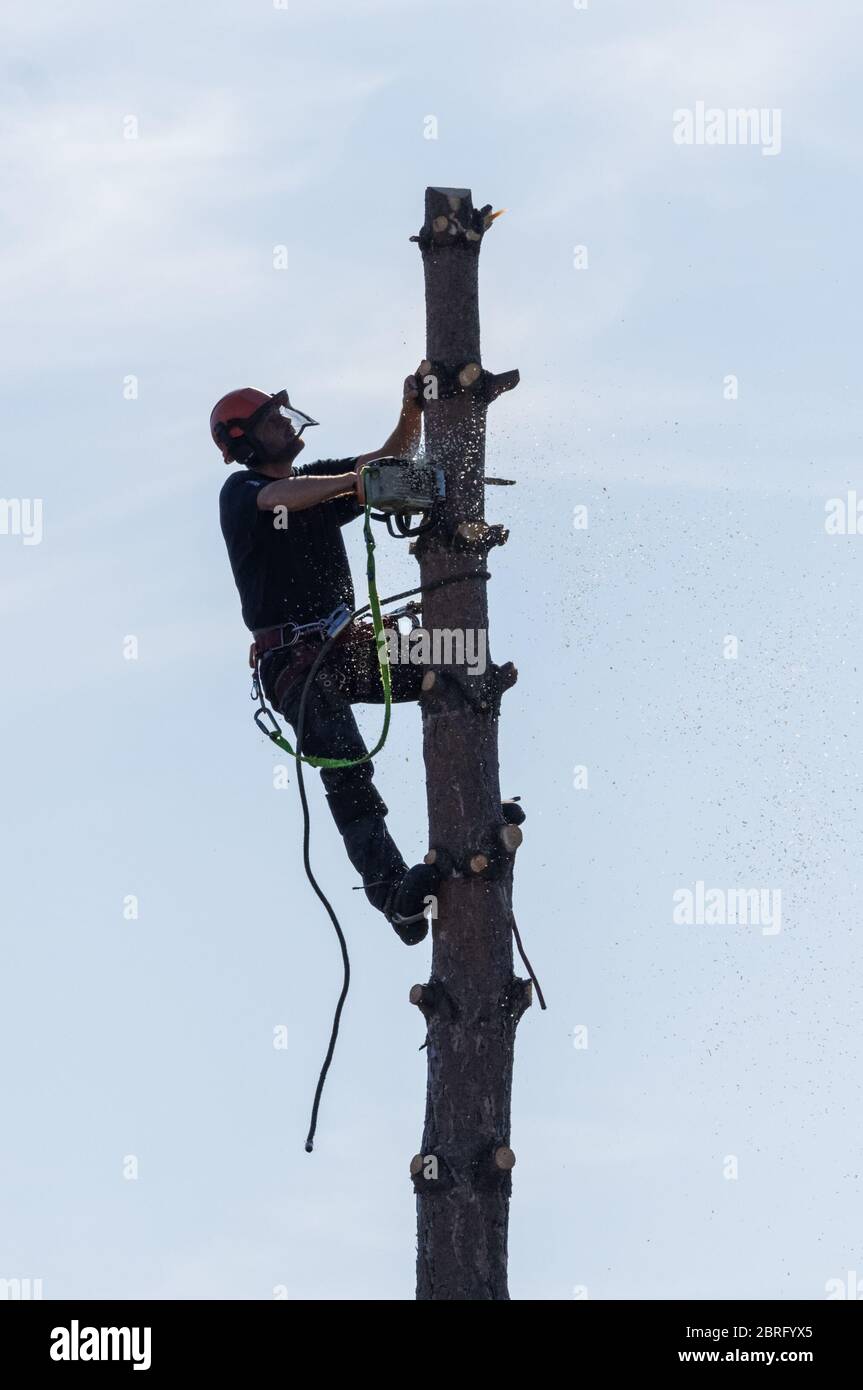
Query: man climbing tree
point(297, 598)
point(282, 527)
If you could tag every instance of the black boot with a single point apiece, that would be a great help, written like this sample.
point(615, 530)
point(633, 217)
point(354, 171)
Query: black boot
point(407, 908)
point(513, 813)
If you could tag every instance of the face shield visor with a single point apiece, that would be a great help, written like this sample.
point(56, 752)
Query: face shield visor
point(279, 402)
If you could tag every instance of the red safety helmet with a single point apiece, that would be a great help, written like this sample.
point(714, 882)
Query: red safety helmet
point(234, 417)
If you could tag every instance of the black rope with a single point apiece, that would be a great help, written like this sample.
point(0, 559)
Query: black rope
point(346, 962)
point(527, 965)
point(427, 588)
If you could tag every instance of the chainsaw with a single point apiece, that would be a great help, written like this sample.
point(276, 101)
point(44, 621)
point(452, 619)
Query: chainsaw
point(398, 489)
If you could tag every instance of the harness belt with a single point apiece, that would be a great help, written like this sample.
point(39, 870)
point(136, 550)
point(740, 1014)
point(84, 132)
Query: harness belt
point(289, 634)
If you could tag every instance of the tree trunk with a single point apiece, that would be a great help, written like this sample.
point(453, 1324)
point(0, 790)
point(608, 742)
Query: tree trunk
point(473, 1001)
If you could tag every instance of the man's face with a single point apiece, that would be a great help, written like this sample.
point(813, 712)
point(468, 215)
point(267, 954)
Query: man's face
point(276, 438)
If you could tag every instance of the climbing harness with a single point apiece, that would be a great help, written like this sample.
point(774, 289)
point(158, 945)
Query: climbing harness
point(331, 628)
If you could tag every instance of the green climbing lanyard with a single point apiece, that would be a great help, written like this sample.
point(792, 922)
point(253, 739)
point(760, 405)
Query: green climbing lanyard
point(374, 608)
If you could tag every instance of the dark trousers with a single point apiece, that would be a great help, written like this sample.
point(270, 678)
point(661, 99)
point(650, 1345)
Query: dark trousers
point(350, 675)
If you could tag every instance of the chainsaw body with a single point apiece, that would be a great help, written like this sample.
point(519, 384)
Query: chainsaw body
point(402, 488)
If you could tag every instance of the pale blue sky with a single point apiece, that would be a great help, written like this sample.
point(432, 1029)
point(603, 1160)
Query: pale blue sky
point(154, 257)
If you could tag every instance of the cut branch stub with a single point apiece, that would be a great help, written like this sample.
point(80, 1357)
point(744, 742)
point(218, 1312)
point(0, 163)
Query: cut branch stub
point(425, 997)
point(430, 1173)
point(448, 689)
point(511, 837)
point(433, 998)
point(498, 382)
point(472, 534)
point(469, 373)
point(526, 998)
point(479, 535)
point(442, 859)
point(519, 997)
point(507, 675)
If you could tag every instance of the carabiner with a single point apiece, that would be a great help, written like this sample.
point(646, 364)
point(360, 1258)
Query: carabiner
point(337, 621)
point(260, 716)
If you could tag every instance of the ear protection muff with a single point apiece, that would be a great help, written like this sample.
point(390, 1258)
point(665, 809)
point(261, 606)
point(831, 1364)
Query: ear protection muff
point(240, 450)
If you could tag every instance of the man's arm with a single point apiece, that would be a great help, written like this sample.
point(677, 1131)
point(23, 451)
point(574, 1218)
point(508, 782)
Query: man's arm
point(405, 438)
point(296, 494)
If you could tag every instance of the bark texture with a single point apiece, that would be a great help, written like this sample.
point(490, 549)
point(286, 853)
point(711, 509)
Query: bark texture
point(473, 1001)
